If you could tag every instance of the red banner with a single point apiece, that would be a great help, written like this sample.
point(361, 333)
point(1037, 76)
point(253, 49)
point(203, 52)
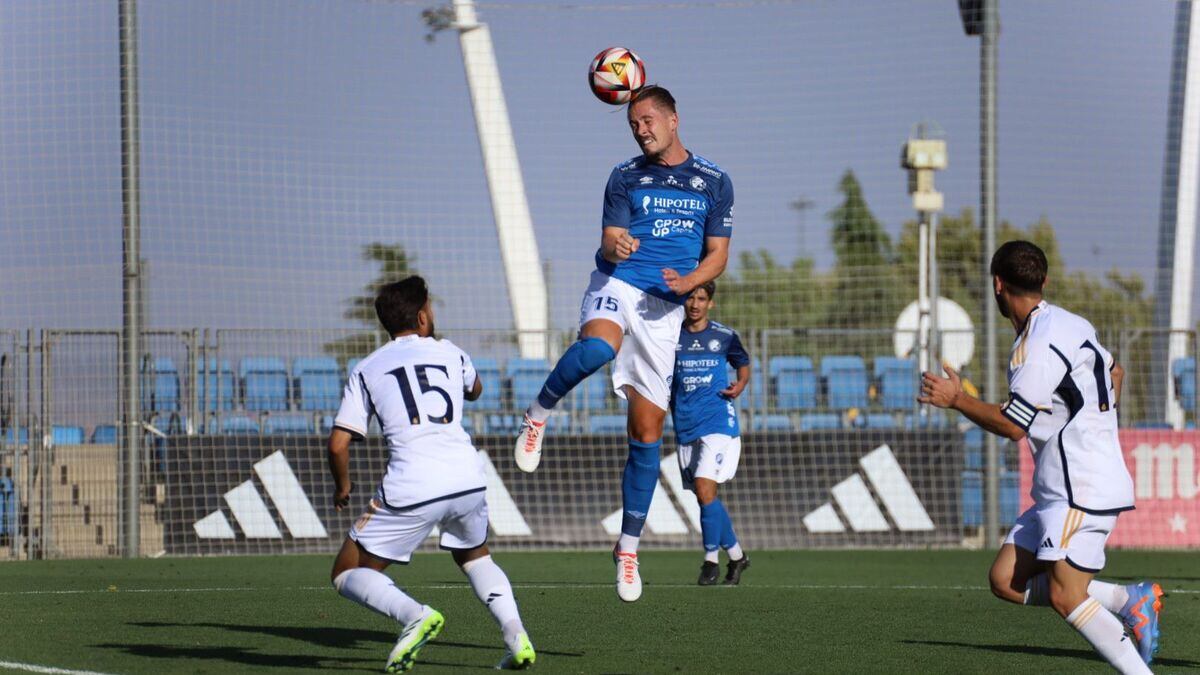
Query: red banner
point(1166, 486)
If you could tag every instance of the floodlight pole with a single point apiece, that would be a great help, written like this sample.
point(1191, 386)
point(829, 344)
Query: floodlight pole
point(131, 306)
point(1177, 213)
point(510, 207)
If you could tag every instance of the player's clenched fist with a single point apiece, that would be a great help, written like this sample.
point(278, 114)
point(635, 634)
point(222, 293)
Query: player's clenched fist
point(625, 246)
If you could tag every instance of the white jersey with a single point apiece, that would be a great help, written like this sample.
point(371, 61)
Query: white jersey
point(414, 386)
point(1060, 393)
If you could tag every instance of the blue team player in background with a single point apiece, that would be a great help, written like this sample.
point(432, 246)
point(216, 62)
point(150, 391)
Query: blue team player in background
point(706, 425)
point(668, 217)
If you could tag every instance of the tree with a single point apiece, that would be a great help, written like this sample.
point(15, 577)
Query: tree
point(864, 276)
point(395, 264)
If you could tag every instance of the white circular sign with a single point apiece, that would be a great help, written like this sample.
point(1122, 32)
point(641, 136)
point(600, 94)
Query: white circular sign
point(958, 334)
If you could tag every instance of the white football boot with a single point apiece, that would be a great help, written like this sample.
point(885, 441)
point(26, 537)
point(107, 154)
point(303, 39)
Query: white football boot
point(629, 580)
point(528, 450)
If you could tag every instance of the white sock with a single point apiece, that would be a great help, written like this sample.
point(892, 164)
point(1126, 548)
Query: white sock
point(537, 413)
point(712, 556)
point(1112, 596)
point(1037, 590)
point(627, 543)
point(1106, 636)
point(735, 552)
point(495, 592)
point(377, 591)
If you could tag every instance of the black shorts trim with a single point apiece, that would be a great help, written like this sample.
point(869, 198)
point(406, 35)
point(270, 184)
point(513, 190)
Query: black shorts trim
point(1101, 512)
point(381, 557)
point(1081, 568)
point(427, 502)
point(468, 548)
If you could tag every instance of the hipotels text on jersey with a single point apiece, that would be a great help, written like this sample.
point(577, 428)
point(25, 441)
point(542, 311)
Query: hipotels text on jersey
point(679, 203)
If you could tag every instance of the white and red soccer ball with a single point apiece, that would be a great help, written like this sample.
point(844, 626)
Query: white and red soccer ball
point(615, 75)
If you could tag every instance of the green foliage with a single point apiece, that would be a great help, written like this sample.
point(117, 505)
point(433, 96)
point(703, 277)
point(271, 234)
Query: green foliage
point(395, 264)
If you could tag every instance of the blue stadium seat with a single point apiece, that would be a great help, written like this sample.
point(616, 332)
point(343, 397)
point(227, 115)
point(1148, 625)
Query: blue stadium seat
point(105, 434)
point(526, 377)
point(795, 382)
point(973, 448)
point(772, 422)
point(325, 424)
point(971, 501)
point(1184, 372)
point(815, 421)
point(8, 507)
point(876, 421)
point(845, 381)
point(65, 435)
point(264, 383)
point(933, 419)
point(13, 436)
point(591, 394)
point(897, 380)
point(318, 383)
point(497, 423)
point(606, 424)
point(160, 386)
point(492, 397)
point(287, 424)
point(1010, 496)
point(218, 387)
point(239, 425)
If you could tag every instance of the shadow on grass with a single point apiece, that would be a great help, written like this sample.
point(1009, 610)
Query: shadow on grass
point(242, 656)
point(1085, 654)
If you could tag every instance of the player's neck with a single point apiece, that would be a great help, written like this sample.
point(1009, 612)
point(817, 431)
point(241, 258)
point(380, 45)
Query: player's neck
point(696, 326)
point(676, 154)
point(1020, 310)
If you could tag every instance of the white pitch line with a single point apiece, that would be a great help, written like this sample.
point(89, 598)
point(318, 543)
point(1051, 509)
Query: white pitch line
point(801, 587)
point(13, 665)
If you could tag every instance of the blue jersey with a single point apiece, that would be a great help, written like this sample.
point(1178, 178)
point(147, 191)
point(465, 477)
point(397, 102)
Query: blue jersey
point(697, 406)
point(670, 210)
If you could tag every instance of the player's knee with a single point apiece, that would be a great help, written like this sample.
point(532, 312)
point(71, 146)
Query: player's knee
point(1063, 598)
point(706, 492)
point(595, 353)
point(646, 428)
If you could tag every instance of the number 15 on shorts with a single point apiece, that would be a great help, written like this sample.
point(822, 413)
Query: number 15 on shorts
point(604, 303)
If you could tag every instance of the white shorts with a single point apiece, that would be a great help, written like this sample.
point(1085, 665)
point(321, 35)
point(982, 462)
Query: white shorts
point(714, 457)
point(646, 360)
point(394, 534)
point(1058, 532)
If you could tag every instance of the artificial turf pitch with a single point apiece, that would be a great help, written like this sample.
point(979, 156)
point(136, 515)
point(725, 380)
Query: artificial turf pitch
point(796, 611)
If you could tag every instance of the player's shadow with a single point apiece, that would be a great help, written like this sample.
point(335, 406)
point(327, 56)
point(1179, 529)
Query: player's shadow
point(243, 656)
point(344, 638)
point(1047, 651)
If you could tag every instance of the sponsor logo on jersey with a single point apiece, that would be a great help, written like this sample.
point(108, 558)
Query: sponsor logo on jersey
point(699, 363)
point(860, 507)
point(671, 181)
point(695, 345)
point(666, 226)
point(646, 205)
point(704, 169)
point(646, 180)
point(691, 382)
point(689, 203)
point(697, 183)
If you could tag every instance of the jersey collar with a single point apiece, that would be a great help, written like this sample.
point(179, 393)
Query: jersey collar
point(1029, 317)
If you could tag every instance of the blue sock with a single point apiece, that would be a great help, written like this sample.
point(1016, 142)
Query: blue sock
point(637, 485)
point(580, 360)
point(728, 538)
point(712, 524)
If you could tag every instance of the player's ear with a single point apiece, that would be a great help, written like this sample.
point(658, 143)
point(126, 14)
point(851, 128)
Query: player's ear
point(997, 285)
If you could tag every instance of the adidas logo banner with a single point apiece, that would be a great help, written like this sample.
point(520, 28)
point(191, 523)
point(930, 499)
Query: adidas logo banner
point(792, 489)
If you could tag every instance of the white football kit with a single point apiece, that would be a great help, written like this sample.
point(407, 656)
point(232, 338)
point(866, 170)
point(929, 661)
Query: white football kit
point(414, 386)
point(1061, 394)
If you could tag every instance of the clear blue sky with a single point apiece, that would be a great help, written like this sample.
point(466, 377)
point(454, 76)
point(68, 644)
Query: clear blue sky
point(280, 136)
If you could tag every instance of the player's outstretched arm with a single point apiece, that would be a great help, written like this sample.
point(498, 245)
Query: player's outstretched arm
point(716, 256)
point(339, 466)
point(947, 392)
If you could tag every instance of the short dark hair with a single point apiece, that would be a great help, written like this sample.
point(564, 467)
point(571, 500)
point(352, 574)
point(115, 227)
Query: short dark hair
point(398, 303)
point(652, 92)
point(709, 287)
point(1021, 265)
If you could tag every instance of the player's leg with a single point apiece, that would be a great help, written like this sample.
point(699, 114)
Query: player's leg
point(464, 534)
point(379, 537)
point(1017, 575)
point(1069, 597)
point(711, 527)
point(638, 481)
point(602, 324)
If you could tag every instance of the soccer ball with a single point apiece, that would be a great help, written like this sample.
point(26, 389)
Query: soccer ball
point(615, 74)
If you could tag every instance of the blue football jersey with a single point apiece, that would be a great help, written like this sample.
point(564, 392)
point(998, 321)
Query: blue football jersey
point(670, 210)
point(697, 406)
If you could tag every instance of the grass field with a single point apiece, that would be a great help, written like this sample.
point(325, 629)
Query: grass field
point(808, 611)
